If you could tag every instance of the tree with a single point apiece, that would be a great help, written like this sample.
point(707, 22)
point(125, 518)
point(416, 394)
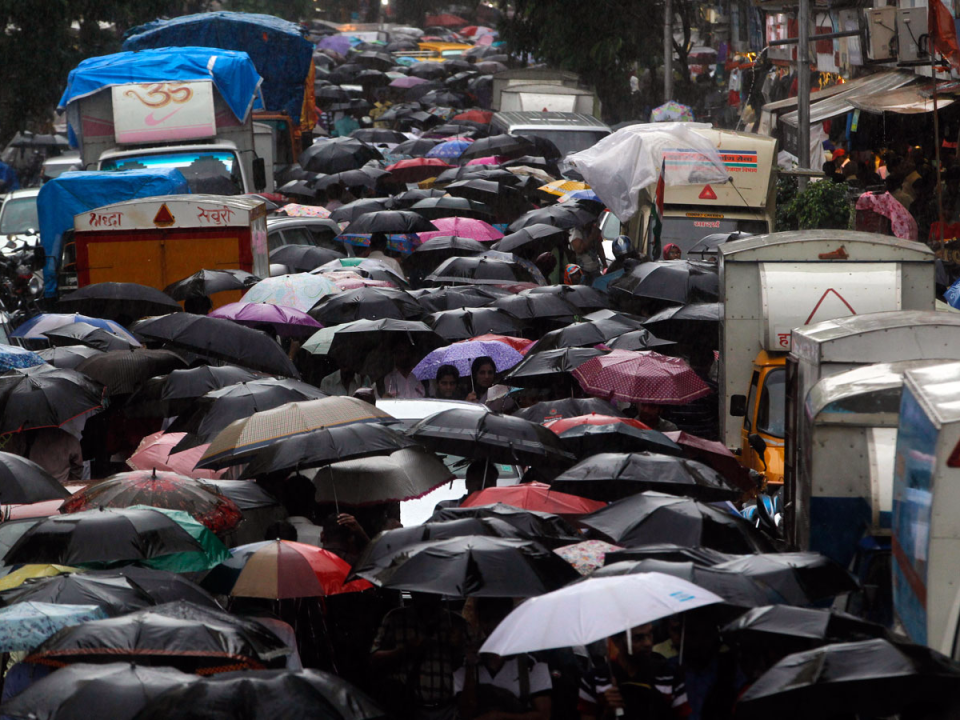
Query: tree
point(293, 10)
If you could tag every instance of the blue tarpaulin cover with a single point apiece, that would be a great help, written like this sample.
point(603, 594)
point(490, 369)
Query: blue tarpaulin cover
point(75, 192)
point(280, 53)
point(232, 72)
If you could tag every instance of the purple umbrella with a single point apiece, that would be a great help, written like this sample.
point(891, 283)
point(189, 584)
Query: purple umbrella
point(288, 322)
point(462, 354)
point(407, 81)
point(337, 43)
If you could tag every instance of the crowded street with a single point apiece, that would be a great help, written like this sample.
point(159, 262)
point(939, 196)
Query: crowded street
point(356, 370)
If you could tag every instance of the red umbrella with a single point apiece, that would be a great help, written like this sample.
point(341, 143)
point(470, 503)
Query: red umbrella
point(166, 490)
point(417, 170)
point(716, 455)
point(478, 116)
point(518, 344)
point(645, 376)
point(562, 424)
point(538, 497)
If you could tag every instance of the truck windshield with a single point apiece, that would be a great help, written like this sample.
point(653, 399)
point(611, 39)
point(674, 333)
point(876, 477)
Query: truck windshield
point(567, 141)
point(771, 415)
point(214, 172)
point(685, 232)
point(19, 216)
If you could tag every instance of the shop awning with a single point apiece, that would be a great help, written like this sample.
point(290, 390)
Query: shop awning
point(906, 101)
point(841, 103)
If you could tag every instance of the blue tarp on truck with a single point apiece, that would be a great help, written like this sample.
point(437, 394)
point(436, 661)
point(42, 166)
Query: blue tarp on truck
point(75, 192)
point(280, 53)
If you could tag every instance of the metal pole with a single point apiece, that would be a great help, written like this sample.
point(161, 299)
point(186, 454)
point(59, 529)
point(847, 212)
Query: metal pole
point(936, 146)
point(667, 50)
point(803, 85)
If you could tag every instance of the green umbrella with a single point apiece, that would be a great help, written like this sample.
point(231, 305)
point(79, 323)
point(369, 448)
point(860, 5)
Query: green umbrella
point(213, 551)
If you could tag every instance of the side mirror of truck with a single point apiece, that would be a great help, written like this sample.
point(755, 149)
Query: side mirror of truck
point(738, 405)
point(259, 174)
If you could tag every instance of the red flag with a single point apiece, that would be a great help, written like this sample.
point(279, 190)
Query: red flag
point(943, 32)
point(660, 187)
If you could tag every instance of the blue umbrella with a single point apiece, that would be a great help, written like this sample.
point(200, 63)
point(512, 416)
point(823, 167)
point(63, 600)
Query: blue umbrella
point(449, 149)
point(952, 295)
point(25, 625)
point(34, 328)
point(462, 354)
point(12, 357)
point(587, 194)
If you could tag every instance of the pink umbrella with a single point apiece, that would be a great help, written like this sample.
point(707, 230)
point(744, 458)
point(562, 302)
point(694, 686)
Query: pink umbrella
point(463, 227)
point(154, 453)
point(645, 376)
point(288, 322)
point(488, 160)
point(349, 280)
point(486, 40)
point(295, 210)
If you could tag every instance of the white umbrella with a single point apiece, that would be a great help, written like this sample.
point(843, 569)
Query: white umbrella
point(597, 608)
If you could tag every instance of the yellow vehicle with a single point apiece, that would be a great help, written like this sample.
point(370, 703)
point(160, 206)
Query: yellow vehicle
point(445, 50)
point(764, 416)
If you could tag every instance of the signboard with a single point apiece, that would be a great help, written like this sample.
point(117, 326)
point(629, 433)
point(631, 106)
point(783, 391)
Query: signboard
point(161, 112)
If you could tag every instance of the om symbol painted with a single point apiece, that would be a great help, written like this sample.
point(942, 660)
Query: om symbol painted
point(159, 95)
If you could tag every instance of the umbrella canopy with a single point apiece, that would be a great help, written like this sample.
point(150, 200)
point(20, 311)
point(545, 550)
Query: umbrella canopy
point(35, 327)
point(86, 334)
point(403, 475)
point(474, 566)
point(172, 394)
point(480, 271)
point(390, 222)
point(869, 678)
point(101, 536)
point(489, 436)
point(209, 282)
point(416, 169)
point(245, 436)
point(544, 412)
point(335, 155)
point(109, 591)
point(534, 496)
point(568, 215)
point(653, 517)
point(586, 556)
point(296, 210)
point(115, 690)
point(533, 240)
point(265, 695)
point(302, 258)
point(300, 291)
point(362, 340)
point(67, 356)
point(644, 376)
point(671, 111)
point(587, 440)
point(592, 610)
point(286, 322)
point(160, 585)
point(582, 297)
point(124, 371)
point(220, 339)
point(417, 147)
point(455, 206)
point(25, 625)
point(211, 552)
point(611, 476)
point(44, 396)
point(456, 297)
point(13, 356)
point(801, 578)
point(23, 481)
point(471, 322)
point(366, 303)
point(352, 210)
point(587, 333)
point(641, 339)
point(280, 569)
point(159, 489)
point(123, 302)
point(537, 307)
point(672, 281)
point(504, 145)
point(462, 354)
point(541, 369)
point(179, 634)
point(434, 251)
point(693, 322)
point(716, 455)
point(451, 149)
point(464, 227)
point(18, 577)
point(547, 528)
point(703, 556)
point(783, 621)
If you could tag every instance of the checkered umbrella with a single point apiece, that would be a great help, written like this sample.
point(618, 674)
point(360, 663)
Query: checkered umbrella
point(646, 376)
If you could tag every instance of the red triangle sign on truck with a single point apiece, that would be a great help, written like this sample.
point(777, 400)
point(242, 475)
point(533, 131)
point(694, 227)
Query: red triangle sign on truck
point(707, 193)
point(163, 218)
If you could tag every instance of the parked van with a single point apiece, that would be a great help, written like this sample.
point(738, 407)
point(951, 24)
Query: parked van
point(570, 132)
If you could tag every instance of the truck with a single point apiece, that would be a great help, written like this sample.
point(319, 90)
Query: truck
point(547, 98)
point(187, 109)
point(772, 284)
point(570, 132)
point(548, 81)
point(157, 241)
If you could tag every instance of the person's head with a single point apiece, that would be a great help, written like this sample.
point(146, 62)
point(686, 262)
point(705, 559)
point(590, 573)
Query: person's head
point(366, 394)
point(490, 612)
point(404, 357)
point(829, 168)
point(335, 536)
point(481, 474)
point(621, 247)
point(639, 646)
point(484, 373)
point(198, 305)
point(671, 252)
point(280, 531)
point(335, 191)
point(378, 241)
point(346, 370)
point(448, 378)
point(546, 262)
point(701, 359)
point(892, 183)
point(572, 274)
point(648, 413)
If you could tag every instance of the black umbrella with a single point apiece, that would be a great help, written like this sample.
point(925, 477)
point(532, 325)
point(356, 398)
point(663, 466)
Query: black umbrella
point(116, 690)
point(583, 297)
point(456, 297)
point(67, 356)
point(218, 408)
point(694, 322)
point(264, 695)
point(180, 634)
point(208, 282)
point(352, 343)
point(124, 302)
point(673, 281)
point(220, 339)
point(365, 177)
point(44, 396)
point(352, 210)
point(173, 394)
point(437, 249)
point(542, 412)
point(89, 335)
point(533, 240)
point(869, 678)
point(338, 154)
point(586, 440)
point(389, 221)
point(346, 73)
point(480, 271)
point(303, 258)
point(331, 94)
point(366, 303)
point(802, 577)
point(124, 371)
point(653, 517)
point(549, 529)
point(477, 172)
point(161, 586)
point(784, 621)
point(97, 536)
point(433, 208)
point(735, 589)
point(703, 556)
point(377, 60)
point(418, 147)
point(112, 592)
point(489, 436)
point(567, 215)
point(443, 98)
point(584, 334)
point(379, 135)
point(543, 146)
point(472, 321)
point(320, 447)
point(301, 188)
point(537, 307)
point(475, 566)
point(503, 145)
point(427, 70)
point(611, 476)
point(541, 369)
point(641, 339)
point(23, 481)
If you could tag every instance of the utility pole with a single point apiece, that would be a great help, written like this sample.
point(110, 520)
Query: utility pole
point(803, 85)
point(667, 50)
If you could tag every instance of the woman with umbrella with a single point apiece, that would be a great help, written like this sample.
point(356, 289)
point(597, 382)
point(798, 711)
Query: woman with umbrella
point(447, 384)
point(483, 375)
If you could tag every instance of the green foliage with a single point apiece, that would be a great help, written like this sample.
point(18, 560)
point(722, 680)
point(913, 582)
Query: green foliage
point(822, 205)
point(293, 10)
point(787, 187)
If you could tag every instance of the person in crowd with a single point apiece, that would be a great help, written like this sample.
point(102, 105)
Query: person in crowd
point(501, 688)
point(344, 381)
point(368, 395)
point(672, 252)
point(447, 384)
point(197, 305)
point(58, 452)
point(378, 251)
point(572, 275)
point(401, 382)
point(297, 495)
point(585, 242)
point(480, 474)
point(711, 678)
point(343, 536)
point(650, 415)
point(345, 125)
point(415, 654)
point(671, 646)
point(623, 250)
point(699, 417)
point(546, 263)
point(335, 197)
point(483, 374)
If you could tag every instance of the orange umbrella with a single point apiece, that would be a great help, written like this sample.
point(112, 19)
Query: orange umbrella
point(534, 496)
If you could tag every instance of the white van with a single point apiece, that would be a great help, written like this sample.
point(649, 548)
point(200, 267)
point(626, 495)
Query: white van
point(570, 132)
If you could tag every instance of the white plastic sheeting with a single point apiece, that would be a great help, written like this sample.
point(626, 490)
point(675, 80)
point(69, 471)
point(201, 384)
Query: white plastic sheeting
point(624, 163)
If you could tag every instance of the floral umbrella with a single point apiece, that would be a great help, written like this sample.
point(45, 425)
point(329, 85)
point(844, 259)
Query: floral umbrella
point(462, 354)
point(300, 291)
point(296, 210)
point(12, 356)
point(671, 111)
point(586, 556)
point(25, 625)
